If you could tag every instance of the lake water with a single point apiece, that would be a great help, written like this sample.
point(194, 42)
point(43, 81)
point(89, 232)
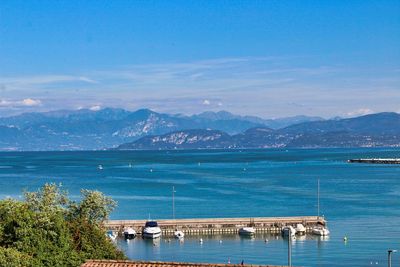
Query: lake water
point(360, 201)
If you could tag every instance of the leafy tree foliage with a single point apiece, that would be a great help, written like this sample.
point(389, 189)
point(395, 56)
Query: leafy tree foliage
point(10, 257)
point(47, 229)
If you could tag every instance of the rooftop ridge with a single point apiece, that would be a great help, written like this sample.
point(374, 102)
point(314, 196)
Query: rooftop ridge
point(128, 263)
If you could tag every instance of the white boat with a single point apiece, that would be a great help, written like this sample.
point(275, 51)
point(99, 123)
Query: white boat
point(288, 231)
point(151, 230)
point(179, 234)
point(113, 236)
point(300, 229)
point(129, 233)
point(247, 231)
point(321, 231)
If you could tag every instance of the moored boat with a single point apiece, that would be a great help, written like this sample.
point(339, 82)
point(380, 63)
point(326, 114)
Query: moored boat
point(112, 235)
point(321, 231)
point(300, 229)
point(151, 230)
point(288, 231)
point(247, 231)
point(129, 233)
point(179, 234)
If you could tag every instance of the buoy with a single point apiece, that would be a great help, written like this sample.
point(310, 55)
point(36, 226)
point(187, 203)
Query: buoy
point(266, 240)
point(220, 241)
point(345, 239)
point(151, 170)
point(201, 240)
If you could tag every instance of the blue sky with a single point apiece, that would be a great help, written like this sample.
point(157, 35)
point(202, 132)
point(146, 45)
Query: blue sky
point(265, 58)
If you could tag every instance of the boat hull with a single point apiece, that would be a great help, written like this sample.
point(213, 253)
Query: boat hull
point(321, 232)
point(288, 231)
point(129, 236)
point(247, 231)
point(151, 232)
point(179, 234)
point(151, 235)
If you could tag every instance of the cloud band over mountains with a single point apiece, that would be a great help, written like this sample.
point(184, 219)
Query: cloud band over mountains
point(263, 86)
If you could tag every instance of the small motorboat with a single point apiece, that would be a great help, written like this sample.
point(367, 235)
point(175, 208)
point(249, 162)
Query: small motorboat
point(300, 229)
point(179, 234)
point(247, 231)
point(129, 233)
point(151, 230)
point(288, 231)
point(321, 231)
point(113, 236)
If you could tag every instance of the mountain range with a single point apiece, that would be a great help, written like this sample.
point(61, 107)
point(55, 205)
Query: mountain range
point(90, 130)
point(376, 130)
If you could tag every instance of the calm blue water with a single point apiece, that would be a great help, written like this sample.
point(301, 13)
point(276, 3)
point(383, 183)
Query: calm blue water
point(361, 201)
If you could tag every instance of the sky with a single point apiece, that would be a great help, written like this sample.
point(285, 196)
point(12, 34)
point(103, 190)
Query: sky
point(265, 58)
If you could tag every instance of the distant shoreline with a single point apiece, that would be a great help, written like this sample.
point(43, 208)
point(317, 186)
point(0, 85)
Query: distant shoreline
point(204, 149)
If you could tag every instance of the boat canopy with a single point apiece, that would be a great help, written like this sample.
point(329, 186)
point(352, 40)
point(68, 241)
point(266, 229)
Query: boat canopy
point(151, 224)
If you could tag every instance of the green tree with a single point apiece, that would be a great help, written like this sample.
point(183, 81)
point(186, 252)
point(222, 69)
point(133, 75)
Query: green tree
point(94, 207)
point(53, 231)
point(10, 257)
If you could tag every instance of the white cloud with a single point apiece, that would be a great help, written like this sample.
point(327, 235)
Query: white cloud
point(31, 102)
point(263, 86)
point(206, 102)
point(27, 102)
point(95, 108)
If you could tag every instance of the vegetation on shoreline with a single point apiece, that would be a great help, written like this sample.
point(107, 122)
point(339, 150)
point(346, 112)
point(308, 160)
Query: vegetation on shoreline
point(48, 229)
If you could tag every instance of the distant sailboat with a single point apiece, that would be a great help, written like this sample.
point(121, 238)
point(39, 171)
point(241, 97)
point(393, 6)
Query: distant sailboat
point(177, 233)
point(173, 202)
point(320, 229)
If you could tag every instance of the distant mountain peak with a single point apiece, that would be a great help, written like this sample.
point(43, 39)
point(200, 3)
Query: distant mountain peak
point(110, 127)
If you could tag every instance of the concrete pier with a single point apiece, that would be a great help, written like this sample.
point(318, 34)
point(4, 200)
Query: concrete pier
point(212, 226)
point(375, 161)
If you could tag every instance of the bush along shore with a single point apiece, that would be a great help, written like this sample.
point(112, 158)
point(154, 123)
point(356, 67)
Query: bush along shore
point(46, 228)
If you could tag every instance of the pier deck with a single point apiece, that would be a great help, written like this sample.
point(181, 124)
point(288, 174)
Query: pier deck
point(218, 225)
point(376, 161)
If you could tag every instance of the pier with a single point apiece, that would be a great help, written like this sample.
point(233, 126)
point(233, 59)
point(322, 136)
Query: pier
point(376, 161)
point(212, 226)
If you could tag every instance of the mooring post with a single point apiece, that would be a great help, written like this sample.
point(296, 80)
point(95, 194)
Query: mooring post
point(290, 248)
point(390, 251)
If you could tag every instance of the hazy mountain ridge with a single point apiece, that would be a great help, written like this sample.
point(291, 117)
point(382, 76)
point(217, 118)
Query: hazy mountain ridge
point(376, 130)
point(87, 129)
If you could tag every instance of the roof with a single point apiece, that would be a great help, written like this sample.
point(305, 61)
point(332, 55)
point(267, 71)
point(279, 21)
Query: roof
point(123, 263)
